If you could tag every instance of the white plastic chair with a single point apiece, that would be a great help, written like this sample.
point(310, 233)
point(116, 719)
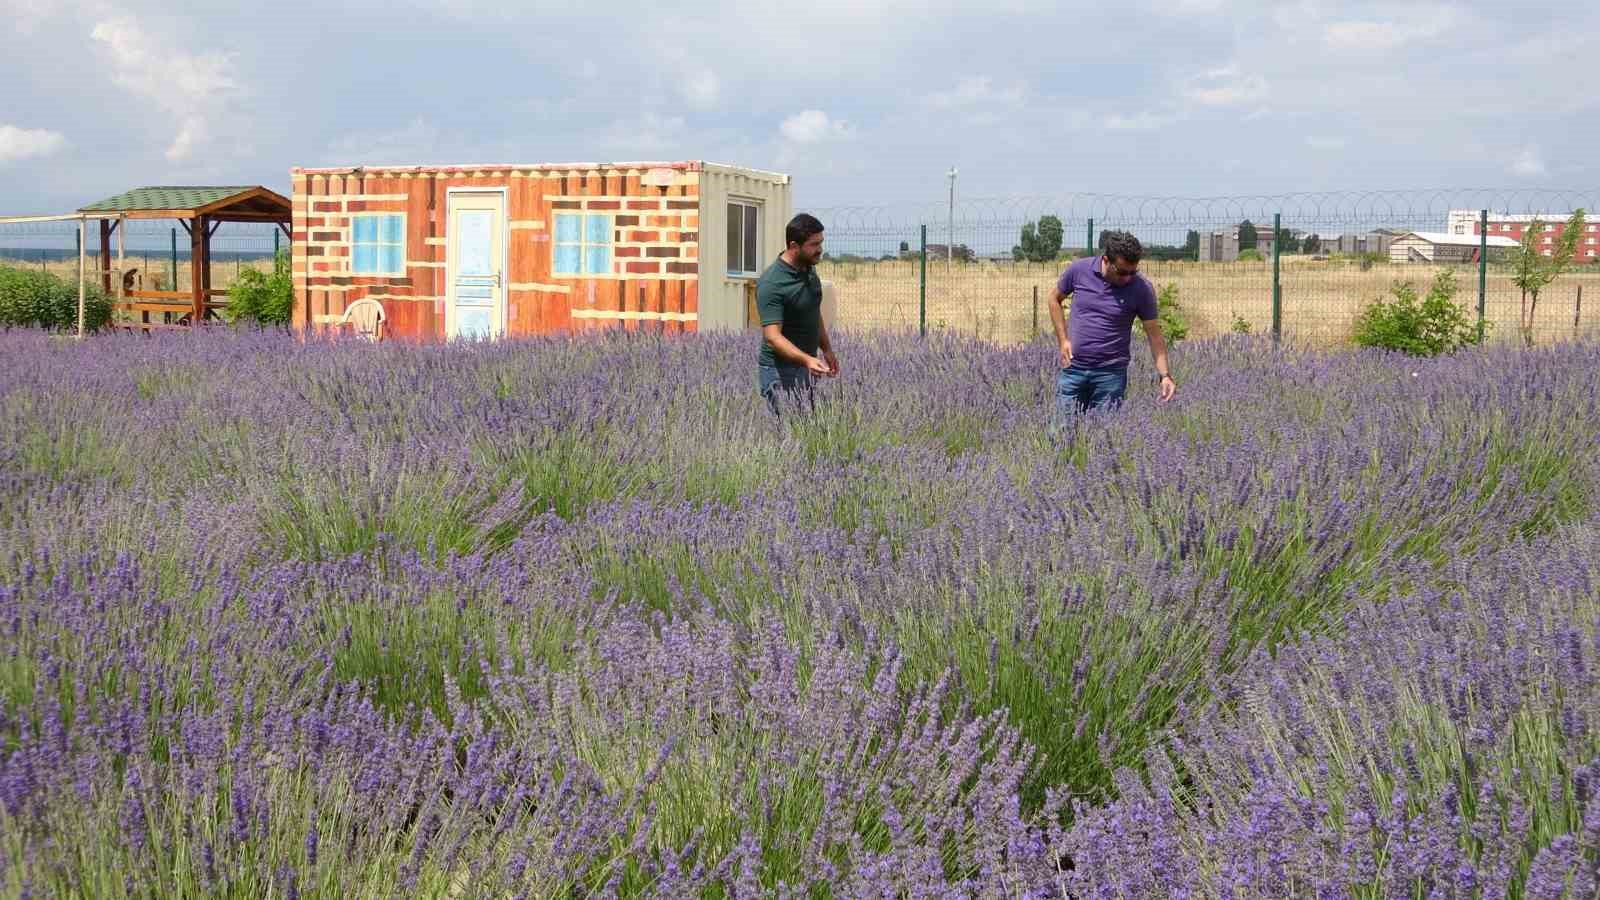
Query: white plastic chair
point(366, 318)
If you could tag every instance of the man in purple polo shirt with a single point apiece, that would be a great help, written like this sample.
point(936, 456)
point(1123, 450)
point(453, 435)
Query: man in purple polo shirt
point(1107, 293)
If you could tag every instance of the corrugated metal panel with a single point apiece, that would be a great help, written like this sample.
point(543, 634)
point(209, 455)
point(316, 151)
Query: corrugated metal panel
point(724, 299)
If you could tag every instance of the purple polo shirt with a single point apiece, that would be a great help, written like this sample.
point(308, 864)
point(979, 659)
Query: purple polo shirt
point(1100, 324)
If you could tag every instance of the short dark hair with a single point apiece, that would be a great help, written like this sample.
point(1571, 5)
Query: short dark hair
point(801, 228)
point(1121, 245)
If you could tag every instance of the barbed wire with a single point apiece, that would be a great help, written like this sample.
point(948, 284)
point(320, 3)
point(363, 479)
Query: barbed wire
point(1407, 206)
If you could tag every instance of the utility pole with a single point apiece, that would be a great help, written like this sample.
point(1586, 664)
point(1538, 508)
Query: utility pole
point(950, 240)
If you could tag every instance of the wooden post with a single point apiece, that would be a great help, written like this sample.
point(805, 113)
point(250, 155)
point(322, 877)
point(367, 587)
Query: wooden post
point(83, 238)
point(205, 275)
point(104, 262)
point(122, 266)
point(197, 266)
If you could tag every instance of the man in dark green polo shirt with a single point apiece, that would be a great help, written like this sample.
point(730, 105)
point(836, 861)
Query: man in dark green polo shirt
point(789, 300)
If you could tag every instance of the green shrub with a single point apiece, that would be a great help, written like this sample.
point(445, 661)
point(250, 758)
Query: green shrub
point(34, 299)
point(1428, 327)
point(261, 298)
point(1251, 255)
point(1174, 324)
point(1241, 325)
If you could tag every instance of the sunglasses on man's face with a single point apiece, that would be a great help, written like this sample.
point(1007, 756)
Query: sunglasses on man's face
point(1115, 271)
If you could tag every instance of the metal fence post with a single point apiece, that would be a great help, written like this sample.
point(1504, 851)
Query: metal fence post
point(1483, 268)
point(1277, 283)
point(173, 269)
point(1036, 311)
point(922, 286)
point(1088, 245)
point(275, 233)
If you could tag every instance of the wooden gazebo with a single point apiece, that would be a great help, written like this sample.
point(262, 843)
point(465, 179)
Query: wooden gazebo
point(200, 210)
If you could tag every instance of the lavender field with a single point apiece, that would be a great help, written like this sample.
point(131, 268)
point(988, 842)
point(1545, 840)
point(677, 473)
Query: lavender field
point(554, 619)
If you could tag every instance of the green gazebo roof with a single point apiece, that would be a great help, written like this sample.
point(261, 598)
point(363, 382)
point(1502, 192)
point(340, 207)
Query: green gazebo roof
point(226, 201)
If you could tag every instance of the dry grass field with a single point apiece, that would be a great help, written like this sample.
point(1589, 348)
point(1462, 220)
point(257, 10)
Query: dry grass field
point(223, 271)
point(1321, 298)
point(994, 301)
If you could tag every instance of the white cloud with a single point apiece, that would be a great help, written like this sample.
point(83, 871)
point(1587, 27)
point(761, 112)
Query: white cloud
point(1528, 164)
point(648, 135)
point(812, 126)
point(1380, 36)
point(1226, 86)
point(1141, 121)
point(977, 91)
point(25, 15)
point(194, 90)
point(1186, 8)
point(25, 143)
point(701, 90)
point(415, 142)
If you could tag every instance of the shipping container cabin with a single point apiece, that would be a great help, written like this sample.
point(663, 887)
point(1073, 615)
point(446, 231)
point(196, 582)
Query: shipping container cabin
point(490, 251)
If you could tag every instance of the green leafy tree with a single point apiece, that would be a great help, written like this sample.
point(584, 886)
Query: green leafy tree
point(1039, 242)
point(1248, 239)
point(1311, 244)
point(1191, 245)
point(1533, 271)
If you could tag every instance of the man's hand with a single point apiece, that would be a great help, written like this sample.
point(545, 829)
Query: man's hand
point(1168, 388)
point(1066, 353)
point(833, 363)
point(817, 367)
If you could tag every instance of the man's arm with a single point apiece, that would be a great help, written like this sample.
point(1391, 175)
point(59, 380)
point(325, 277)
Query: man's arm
point(1059, 320)
point(1158, 349)
point(787, 352)
point(825, 345)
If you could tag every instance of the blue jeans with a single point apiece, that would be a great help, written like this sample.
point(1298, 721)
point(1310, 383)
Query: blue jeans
point(1079, 389)
point(792, 379)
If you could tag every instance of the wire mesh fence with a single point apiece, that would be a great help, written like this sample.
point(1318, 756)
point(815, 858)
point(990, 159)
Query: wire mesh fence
point(1302, 266)
point(156, 252)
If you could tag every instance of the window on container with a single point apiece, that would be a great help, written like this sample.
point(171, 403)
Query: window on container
point(744, 238)
point(378, 244)
point(583, 244)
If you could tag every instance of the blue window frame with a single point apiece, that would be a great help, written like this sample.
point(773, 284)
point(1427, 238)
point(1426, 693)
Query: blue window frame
point(378, 244)
point(583, 244)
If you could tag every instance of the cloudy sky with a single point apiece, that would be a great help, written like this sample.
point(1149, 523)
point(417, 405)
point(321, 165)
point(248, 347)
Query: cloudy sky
point(863, 101)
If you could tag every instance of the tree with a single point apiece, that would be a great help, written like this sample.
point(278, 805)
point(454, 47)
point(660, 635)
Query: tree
point(1312, 244)
point(1533, 271)
point(1247, 235)
point(1026, 243)
point(1191, 245)
point(1039, 242)
point(905, 247)
point(1049, 238)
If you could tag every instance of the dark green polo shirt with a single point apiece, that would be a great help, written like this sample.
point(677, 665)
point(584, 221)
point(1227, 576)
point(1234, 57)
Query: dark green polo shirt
point(789, 297)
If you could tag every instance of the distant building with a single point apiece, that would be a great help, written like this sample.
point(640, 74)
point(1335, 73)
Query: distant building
point(1439, 247)
point(1377, 241)
point(1223, 245)
point(1506, 225)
